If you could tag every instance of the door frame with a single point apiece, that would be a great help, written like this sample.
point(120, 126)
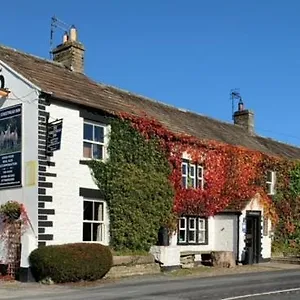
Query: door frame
point(256, 238)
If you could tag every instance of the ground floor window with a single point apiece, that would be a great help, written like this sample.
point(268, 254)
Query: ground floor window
point(93, 221)
point(192, 230)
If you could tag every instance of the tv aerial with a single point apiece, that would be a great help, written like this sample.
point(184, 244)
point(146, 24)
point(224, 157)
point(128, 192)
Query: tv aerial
point(236, 96)
point(57, 24)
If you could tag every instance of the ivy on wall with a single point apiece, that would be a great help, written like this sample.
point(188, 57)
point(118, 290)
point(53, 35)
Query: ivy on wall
point(142, 182)
point(136, 186)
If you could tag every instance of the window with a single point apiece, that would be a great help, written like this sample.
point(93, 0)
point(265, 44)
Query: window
point(192, 175)
point(93, 221)
point(93, 140)
point(182, 230)
point(193, 230)
point(271, 180)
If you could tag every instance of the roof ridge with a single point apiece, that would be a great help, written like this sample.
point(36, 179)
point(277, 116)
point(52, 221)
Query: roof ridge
point(43, 59)
point(185, 110)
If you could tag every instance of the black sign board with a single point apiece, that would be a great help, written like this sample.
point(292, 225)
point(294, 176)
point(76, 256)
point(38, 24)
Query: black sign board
point(11, 146)
point(54, 136)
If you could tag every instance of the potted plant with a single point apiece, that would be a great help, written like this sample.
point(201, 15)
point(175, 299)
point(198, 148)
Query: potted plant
point(11, 211)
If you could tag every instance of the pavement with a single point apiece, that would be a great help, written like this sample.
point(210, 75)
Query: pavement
point(280, 281)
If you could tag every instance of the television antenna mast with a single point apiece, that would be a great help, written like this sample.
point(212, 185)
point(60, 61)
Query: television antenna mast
point(235, 95)
point(57, 24)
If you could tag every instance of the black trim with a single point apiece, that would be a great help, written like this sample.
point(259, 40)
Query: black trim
point(45, 224)
point(91, 193)
point(42, 169)
point(46, 237)
point(46, 212)
point(197, 230)
point(84, 162)
point(94, 116)
point(45, 184)
point(25, 275)
point(45, 198)
point(41, 205)
point(49, 174)
point(41, 191)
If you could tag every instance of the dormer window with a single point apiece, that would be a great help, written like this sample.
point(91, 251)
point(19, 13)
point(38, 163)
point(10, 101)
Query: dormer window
point(271, 181)
point(192, 175)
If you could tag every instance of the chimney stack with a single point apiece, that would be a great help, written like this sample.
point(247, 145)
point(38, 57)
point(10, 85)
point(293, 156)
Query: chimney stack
point(244, 118)
point(71, 52)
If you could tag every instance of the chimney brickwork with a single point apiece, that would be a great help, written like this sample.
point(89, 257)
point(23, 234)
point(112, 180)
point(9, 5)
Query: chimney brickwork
point(70, 53)
point(245, 119)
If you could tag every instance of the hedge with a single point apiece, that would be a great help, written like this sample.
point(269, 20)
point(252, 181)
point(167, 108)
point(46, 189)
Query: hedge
point(71, 262)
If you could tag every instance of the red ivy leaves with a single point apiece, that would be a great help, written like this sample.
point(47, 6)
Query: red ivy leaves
point(233, 174)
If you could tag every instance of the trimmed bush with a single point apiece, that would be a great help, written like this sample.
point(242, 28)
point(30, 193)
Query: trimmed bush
point(71, 262)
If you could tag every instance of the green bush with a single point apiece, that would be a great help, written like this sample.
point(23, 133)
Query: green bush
point(71, 262)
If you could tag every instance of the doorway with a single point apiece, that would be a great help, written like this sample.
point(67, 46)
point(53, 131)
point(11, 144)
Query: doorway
point(253, 237)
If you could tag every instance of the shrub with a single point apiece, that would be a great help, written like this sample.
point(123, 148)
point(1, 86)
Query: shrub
point(71, 262)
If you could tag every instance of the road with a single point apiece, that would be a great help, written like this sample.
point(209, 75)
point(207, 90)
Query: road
point(281, 285)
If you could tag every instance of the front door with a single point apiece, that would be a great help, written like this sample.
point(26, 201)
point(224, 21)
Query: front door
point(253, 237)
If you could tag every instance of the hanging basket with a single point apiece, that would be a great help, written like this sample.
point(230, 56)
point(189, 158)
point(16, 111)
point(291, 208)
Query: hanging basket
point(11, 211)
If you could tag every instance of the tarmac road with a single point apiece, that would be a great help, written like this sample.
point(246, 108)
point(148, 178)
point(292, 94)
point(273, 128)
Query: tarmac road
point(281, 285)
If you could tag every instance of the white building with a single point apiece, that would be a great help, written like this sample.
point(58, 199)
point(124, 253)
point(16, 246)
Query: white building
point(58, 191)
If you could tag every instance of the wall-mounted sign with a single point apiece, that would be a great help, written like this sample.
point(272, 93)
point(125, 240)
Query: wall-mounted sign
point(54, 131)
point(11, 146)
point(2, 82)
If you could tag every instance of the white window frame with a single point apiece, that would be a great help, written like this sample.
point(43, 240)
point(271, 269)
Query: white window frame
point(200, 179)
point(187, 229)
point(271, 183)
point(102, 239)
point(183, 229)
point(184, 176)
point(104, 144)
point(202, 230)
point(192, 176)
point(192, 230)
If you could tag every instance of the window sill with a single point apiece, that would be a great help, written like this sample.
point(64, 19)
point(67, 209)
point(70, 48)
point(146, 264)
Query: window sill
point(191, 244)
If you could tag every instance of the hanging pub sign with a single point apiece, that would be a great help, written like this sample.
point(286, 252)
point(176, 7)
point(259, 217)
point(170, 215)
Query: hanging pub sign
point(11, 146)
point(54, 130)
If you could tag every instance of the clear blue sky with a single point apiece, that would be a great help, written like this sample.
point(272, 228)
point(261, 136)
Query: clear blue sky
point(186, 53)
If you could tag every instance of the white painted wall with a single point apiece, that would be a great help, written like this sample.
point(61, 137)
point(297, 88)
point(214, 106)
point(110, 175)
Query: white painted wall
point(68, 205)
point(226, 233)
point(254, 204)
point(23, 93)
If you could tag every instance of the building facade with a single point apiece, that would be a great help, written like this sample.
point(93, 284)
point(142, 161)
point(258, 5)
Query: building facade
point(63, 203)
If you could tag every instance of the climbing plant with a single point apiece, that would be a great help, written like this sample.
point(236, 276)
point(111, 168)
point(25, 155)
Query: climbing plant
point(135, 183)
point(144, 166)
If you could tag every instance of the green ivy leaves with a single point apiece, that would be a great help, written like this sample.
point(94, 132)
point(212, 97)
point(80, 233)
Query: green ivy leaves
point(136, 186)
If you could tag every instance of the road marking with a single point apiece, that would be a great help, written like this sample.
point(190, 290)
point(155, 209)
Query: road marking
point(261, 294)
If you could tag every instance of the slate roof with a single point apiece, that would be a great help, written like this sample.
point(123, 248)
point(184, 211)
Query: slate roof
point(68, 86)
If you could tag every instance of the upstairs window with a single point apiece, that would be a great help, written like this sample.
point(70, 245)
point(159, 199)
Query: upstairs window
point(271, 181)
point(93, 140)
point(192, 175)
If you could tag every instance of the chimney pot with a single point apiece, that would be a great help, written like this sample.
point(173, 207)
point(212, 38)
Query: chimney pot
point(73, 34)
point(65, 37)
point(71, 52)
